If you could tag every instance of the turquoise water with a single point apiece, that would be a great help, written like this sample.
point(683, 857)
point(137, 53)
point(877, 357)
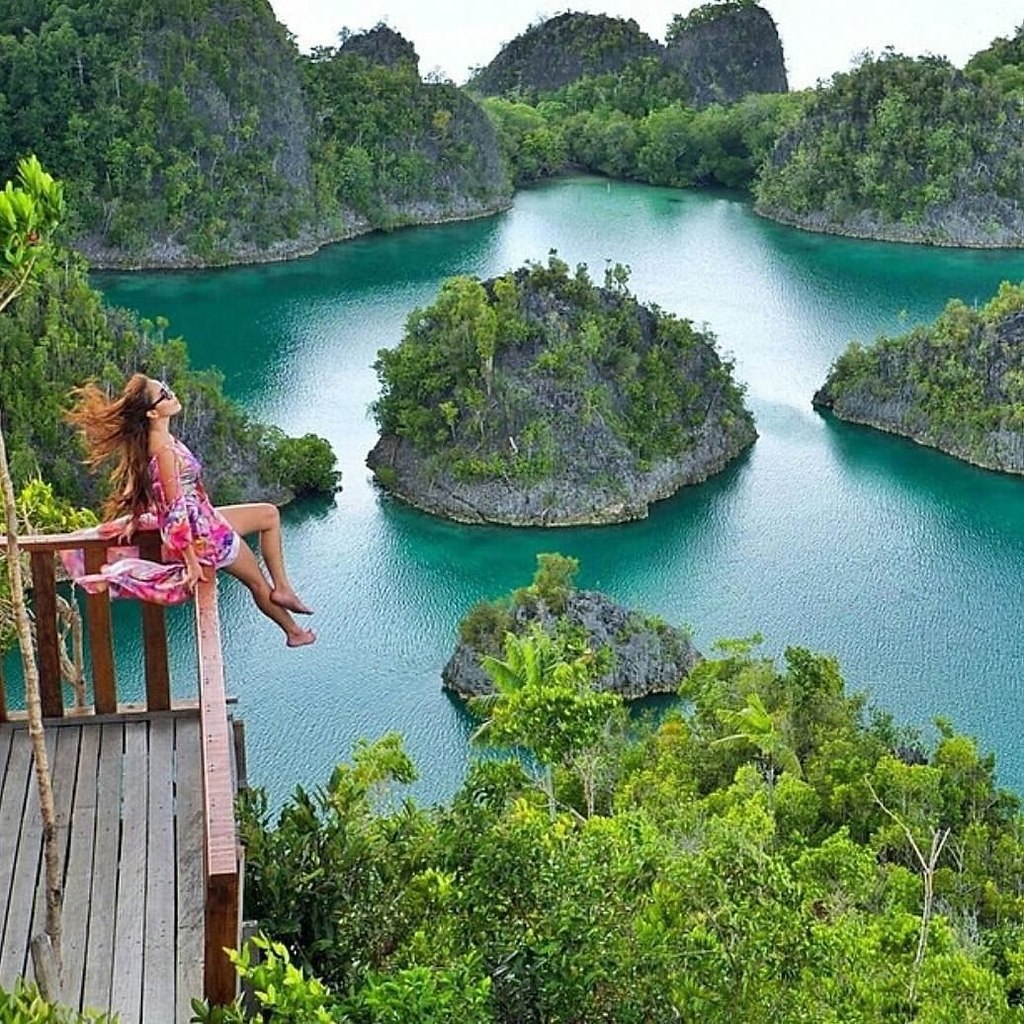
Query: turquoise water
point(904, 563)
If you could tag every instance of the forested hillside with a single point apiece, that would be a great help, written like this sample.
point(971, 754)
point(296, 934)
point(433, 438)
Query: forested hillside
point(57, 336)
point(553, 53)
point(178, 127)
point(705, 109)
point(391, 149)
point(726, 50)
point(191, 132)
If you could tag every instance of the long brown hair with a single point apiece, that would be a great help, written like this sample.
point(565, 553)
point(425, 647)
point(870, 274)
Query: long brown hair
point(118, 428)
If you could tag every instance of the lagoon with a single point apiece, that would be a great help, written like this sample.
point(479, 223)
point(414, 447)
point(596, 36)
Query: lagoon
point(903, 562)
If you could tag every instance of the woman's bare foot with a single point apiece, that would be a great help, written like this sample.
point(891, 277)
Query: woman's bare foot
point(290, 600)
point(301, 638)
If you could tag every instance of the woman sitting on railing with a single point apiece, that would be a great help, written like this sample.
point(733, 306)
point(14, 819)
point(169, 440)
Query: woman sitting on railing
point(156, 473)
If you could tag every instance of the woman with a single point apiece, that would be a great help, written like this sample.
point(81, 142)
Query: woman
point(155, 472)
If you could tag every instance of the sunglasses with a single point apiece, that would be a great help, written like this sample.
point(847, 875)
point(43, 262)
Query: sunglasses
point(166, 394)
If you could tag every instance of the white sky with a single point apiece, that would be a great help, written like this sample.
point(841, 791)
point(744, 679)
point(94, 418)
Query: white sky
point(818, 36)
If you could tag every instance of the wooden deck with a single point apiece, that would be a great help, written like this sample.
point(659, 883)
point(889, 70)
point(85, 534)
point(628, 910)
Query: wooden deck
point(129, 796)
point(152, 866)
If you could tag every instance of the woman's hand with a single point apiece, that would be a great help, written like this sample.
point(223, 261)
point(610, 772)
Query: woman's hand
point(194, 572)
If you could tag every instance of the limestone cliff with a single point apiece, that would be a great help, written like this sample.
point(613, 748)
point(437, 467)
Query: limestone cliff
point(195, 134)
point(727, 50)
point(905, 150)
point(562, 49)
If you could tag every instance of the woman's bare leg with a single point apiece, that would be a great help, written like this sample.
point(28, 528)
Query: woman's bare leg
point(246, 568)
point(264, 518)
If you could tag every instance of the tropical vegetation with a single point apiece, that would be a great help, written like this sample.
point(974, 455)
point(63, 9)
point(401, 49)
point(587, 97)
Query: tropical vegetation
point(637, 124)
point(772, 850)
point(59, 333)
point(457, 386)
point(895, 138)
point(193, 132)
point(384, 141)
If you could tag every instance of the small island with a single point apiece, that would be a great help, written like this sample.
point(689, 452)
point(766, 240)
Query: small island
point(541, 399)
point(636, 654)
point(956, 385)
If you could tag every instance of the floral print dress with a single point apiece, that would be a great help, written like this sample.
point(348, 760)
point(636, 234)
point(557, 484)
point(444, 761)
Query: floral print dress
point(188, 519)
point(191, 518)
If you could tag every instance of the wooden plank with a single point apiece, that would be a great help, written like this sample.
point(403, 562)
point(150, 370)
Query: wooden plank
point(99, 951)
point(129, 927)
point(154, 637)
point(223, 883)
point(5, 749)
point(97, 612)
point(44, 601)
point(79, 871)
point(13, 795)
point(223, 922)
point(14, 954)
point(3, 695)
point(216, 749)
point(63, 771)
point(125, 713)
point(53, 542)
point(188, 788)
point(221, 840)
point(158, 946)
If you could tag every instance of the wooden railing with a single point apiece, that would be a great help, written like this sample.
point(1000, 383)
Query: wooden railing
point(222, 854)
point(42, 551)
point(223, 858)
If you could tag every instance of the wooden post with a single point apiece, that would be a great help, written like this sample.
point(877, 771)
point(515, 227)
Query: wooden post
point(154, 638)
point(223, 924)
point(222, 856)
point(44, 600)
point(100, 640)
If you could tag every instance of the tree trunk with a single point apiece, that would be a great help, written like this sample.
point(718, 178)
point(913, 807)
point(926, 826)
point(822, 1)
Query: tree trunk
point(54, 889)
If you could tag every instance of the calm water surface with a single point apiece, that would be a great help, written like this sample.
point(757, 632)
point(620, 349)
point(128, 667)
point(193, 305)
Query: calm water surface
point(904, 563)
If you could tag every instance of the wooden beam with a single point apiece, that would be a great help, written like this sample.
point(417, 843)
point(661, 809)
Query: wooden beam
point(97, 608)
point(223, 872)
point(61, 541)
point(44, 603)
point(223, 925)
point(154, 637)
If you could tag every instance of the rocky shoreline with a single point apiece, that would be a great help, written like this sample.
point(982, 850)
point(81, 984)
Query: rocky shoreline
point(1005, 447)
point(951, 233)
point(170, 255)
point(622, 498)
point(952, 386)
point(586, 407)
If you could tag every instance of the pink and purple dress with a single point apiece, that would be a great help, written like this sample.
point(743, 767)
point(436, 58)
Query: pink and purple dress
point(188, 519)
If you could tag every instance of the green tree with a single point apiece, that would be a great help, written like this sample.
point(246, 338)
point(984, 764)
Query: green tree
point(29, 213)
point(546, 705)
